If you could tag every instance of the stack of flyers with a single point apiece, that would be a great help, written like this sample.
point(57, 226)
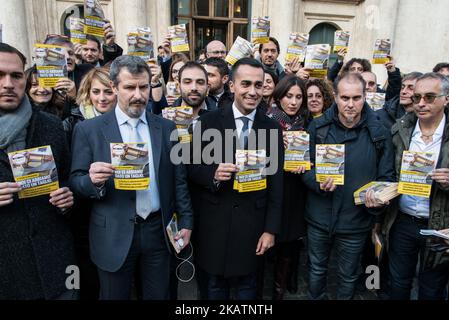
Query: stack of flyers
point(297, 153)
point(415, 169)
point(35, 171)
point(251, 175)
point(183, 118)
point(51, 64)
point(375, 100)
point(434, 233)
point(178, 38)
point(317, 59)
point(260, 30)
point(341, 40)
point(298, 46)
point(93, 18)
point(330, 163)
point(77, 34)
point(173, 90)
point(383, 192)
point(382, 51)
point(1, 33)
point(140, 44)
point(240, 49)
point(131, 166)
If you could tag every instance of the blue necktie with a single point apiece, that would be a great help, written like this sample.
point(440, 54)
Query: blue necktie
point(245, 133)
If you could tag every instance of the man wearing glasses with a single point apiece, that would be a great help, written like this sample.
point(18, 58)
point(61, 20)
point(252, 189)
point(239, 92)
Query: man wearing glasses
point(424, 130)
point(216, 49)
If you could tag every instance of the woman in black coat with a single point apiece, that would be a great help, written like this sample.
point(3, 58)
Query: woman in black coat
point(291, 105)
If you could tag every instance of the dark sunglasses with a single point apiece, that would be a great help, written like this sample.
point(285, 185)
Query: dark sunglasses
point(428, 98)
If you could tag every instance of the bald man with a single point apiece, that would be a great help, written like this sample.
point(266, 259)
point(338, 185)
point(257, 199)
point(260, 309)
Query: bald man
point(216, 49)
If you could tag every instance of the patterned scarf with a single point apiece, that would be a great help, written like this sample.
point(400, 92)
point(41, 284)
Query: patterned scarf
point(295, 123)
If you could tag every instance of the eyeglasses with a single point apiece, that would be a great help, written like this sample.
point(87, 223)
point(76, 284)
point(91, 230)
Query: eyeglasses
point(428, 98)
point(218, 52)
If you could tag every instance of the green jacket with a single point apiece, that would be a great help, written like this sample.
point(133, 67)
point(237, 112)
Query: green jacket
point(439, 200)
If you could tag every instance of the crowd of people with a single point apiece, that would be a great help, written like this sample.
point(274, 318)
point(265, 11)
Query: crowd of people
point(118, 239)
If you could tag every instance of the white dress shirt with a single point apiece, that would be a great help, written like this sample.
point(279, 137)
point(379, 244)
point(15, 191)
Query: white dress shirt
point(144, 132)
point(420, 206)
point(239, 123)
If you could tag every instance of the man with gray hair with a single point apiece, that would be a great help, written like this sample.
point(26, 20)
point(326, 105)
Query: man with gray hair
point(128, 227)
point(424, 130)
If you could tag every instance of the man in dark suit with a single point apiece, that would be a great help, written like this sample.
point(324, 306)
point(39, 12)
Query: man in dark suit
point(129, 226)
point(235, 228)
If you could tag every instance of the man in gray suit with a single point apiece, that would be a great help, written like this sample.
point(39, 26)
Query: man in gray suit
point(128, 227)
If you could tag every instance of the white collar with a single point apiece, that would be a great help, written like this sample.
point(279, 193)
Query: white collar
point(238, 114)
point(438, 132)
point(123, 118)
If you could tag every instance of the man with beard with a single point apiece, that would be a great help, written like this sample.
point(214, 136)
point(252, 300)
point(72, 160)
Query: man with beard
point(218, 75)
point(269, 53)
point(399, 106)
point(333, 218)
point(128, 227)
point(193, 85)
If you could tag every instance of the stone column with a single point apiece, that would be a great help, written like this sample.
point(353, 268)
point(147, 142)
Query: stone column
point(14, 20)
point(159, 15)
point(129, 14)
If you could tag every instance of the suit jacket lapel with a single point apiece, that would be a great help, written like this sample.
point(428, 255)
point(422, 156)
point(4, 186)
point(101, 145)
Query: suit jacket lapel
point(156, 141)
point(110, 128)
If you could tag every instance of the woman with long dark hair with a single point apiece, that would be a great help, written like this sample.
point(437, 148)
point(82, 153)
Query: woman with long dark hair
point(290, 99)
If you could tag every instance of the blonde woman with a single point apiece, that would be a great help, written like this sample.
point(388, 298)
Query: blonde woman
point(95, 97)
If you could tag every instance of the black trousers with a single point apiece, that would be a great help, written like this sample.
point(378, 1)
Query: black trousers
point(149, 249)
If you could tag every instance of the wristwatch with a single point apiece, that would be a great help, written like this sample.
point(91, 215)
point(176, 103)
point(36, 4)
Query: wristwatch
point(157, 85)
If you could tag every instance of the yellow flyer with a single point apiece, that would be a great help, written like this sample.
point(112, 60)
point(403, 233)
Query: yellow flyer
point(415, 169)
point(35, 171)
point(251, 175)
point(240, 49)
point(178, 38)
point(260, 30)
point(375, 100)
point(183, 118)
point(330, 163)
point(131, 166)
point(94, 18)
point(297, 154)
point(140, 44)
point(317, 59)
point(51, 64)
point(341, 40)
point(77, 34)
point(382, 51)
point(298, 46)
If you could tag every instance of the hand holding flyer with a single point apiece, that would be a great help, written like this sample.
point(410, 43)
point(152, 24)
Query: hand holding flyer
point(131, 164)
point(35, 171)
point(183, 118)
point(375, 100)
point(298, 46)
point(240, 49)
point(297, 153)
point(415, 177)
point(140, 44)
point(330, 163)
point(251, 175)
point(341, 40)
point(260, 30)
point(77, 34)
point(178, 38)
point(94, 18)
point(382, 51)
point(317, 59)
point(51, 64)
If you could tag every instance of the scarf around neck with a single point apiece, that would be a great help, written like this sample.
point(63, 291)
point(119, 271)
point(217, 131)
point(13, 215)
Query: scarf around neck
point(13, 127)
